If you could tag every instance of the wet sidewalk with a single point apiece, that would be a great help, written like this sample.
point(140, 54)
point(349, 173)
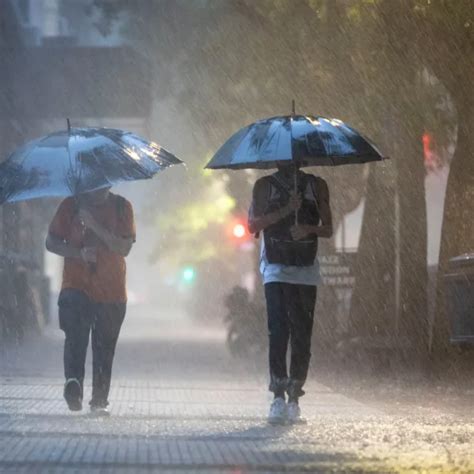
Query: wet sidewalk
point(179, 403)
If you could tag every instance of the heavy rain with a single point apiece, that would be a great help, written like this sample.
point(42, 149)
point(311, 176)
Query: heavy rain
point(278, 312)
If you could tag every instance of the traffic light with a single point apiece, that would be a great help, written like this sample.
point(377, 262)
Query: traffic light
point(238, 236)
point(188, 274)
point(430, 156)
point(239, 230)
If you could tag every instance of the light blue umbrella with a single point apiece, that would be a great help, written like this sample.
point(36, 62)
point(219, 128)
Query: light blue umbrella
point(78, 160)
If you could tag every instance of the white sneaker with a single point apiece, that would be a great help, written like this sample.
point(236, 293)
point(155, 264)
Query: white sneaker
point(99, 411)
point(294, 413)
point(278, 412)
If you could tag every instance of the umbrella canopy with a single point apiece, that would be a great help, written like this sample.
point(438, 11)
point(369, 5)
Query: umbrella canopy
point(303, 139)
point(79, 160)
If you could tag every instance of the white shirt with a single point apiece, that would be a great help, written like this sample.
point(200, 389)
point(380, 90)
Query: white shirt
point(278, 273)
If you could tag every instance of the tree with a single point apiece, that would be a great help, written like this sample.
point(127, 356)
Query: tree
point(362, 60)
point(446, 45)
point(437, 37)
point(403, 116)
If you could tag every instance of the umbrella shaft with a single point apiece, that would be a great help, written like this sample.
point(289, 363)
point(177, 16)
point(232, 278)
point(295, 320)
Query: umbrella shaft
point(296, 193)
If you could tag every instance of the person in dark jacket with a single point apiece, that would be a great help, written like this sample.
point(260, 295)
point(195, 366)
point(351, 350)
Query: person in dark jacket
point(291, 222)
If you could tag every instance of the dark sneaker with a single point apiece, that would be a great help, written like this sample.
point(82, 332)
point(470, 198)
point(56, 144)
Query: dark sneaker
point(73, 394)
point(99, 411)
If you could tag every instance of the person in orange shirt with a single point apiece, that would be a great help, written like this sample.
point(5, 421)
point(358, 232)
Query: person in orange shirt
point(94, 232)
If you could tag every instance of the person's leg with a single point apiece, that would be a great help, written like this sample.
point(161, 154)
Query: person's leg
point(75, 321)
point(278, 331)
point(108, 319)
point(303, 299)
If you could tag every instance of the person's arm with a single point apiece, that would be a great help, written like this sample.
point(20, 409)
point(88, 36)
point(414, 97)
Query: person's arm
point(65, 249)
point(257, 220)
point(116, 244)
point(323, 230)
point(57, 240)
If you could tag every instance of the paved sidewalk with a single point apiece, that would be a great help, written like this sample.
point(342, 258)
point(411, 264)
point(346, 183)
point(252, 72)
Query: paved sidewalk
point(181, 404)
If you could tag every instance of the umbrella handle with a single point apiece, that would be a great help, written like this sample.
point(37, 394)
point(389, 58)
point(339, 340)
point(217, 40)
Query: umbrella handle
point(293, 113)
point(296, 192)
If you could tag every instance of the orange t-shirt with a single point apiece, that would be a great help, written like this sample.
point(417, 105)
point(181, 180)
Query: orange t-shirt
point(104, 281)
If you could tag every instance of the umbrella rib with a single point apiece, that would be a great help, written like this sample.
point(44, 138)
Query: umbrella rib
point(73, 191)
point(242, 138)
point(346, 135)
point(128, 158)
point(326, 150)
point(141, 169)
point(244, 135)
point(366, 141)
point(98, 162)
point(270, 139)
point(162, 155)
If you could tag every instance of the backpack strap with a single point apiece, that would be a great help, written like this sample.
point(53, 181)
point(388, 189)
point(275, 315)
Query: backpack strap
point(288, 188)
point(313, 182)
point(279, 184)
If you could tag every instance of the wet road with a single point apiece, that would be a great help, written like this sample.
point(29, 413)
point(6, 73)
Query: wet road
point(180, 403)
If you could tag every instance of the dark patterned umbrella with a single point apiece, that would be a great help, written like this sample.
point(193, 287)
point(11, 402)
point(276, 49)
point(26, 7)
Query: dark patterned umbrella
point(79, 160)
point(302, 139)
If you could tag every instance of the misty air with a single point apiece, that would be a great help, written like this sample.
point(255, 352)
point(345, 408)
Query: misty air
point(236, 236)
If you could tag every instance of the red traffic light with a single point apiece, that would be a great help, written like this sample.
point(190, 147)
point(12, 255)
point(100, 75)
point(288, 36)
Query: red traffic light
point(237, 234)
point(239, 231)
point(236, 230)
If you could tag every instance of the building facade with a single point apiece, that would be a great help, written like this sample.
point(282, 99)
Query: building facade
point(54, 65)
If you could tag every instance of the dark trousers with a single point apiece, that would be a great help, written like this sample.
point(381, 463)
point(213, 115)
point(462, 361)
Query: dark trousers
point(78, 318)
point(290, 310)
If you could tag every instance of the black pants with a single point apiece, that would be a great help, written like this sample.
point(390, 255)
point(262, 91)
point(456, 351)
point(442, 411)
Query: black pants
point(290, 310)
point(79, 317)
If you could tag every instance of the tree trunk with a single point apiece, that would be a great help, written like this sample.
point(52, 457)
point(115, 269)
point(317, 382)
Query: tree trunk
point(373, 302)
point(457, 235)
point(389, 298)
point(412, 323)
point(391, 278)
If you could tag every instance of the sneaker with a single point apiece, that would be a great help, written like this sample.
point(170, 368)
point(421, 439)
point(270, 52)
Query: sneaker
point(278, 412)
point(99, 411)
point(294, 413)
point(73, 394)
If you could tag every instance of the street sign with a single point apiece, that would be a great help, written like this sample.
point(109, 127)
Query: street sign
point(337, 269)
